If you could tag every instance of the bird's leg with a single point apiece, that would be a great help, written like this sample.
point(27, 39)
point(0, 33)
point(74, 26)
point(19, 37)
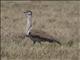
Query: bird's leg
point(39, 41)
point(34, 42)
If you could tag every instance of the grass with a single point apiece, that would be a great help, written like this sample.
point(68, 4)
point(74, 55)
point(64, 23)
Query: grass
point(58, 18)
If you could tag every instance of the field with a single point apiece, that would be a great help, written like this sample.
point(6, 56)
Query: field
point(61, 19)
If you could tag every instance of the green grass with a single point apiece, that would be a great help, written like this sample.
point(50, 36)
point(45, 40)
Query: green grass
point(58, 18)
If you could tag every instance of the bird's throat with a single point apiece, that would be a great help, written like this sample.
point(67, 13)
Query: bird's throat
point(29, 24)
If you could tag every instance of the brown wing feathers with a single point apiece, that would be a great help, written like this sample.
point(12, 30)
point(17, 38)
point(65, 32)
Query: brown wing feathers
point(43, 36)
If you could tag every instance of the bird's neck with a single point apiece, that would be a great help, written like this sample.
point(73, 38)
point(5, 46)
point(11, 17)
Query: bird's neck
point(29, 24)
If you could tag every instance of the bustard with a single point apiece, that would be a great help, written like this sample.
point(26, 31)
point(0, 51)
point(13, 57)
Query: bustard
point(37, 35)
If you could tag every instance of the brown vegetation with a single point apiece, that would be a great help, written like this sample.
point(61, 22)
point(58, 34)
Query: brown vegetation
point(59, 18)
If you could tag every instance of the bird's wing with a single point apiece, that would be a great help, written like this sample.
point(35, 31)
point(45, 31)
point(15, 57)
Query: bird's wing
point(41, 34)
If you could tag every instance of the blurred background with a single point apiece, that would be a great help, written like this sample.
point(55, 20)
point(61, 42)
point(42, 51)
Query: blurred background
point(61, 19)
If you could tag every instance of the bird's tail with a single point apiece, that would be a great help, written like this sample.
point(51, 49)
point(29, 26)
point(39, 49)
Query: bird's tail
point(53, 40)
point(57, 42)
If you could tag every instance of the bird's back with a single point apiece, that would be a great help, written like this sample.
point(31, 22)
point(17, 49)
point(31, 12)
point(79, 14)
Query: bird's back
point(44, 36)
point(40, 33)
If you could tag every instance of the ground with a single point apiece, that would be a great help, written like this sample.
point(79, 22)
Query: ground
point(61, 19)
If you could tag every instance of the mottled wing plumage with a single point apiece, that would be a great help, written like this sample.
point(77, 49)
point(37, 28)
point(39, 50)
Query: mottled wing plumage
point(43, 36)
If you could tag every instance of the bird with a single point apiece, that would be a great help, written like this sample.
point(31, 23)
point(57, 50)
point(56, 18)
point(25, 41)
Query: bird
point(37, 35)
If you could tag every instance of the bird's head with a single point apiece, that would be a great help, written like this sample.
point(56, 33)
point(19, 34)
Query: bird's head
point(28, 12)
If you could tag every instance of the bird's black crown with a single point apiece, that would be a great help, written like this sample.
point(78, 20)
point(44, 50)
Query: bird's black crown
point(28, 12)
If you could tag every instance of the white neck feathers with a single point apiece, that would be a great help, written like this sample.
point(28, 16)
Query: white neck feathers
point(29, 24)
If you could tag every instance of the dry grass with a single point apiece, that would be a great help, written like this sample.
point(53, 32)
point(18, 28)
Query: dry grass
point(59, 18)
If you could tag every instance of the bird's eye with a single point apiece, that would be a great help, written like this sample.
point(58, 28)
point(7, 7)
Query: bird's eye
point(29, 14)
point(24, 12)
